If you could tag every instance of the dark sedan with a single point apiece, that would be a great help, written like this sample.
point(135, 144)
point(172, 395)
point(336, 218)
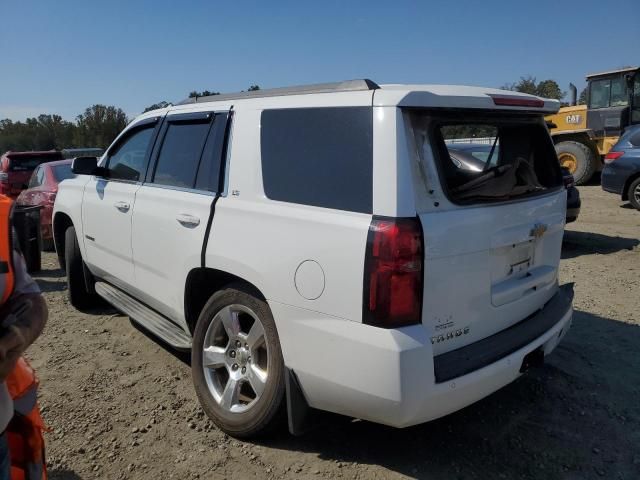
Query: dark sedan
point(474, 156)
point(621, 172)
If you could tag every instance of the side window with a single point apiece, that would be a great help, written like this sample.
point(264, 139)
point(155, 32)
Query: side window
point(40, 176)
point(635, 139)
point(210, 169)
point(619, 93)
point(128, 159)
point(34, 181)
point(180, 153)
point(599, 93)
point(319, 156)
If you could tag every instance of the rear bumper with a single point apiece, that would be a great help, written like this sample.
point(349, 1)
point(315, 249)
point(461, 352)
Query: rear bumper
point(391, 376)
point(612, 181)
point(46, 215)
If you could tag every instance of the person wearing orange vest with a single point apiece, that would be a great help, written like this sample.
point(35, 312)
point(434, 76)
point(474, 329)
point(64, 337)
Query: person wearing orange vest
point(23, 314)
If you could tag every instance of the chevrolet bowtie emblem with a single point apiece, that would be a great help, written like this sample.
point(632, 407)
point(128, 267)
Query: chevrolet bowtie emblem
point(538, 230)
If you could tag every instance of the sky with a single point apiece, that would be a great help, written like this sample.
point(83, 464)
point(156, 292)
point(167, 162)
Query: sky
point(62, 56)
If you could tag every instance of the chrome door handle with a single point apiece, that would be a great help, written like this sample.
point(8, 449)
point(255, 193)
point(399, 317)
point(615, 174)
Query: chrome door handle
point(187, 220)
point(122, 206)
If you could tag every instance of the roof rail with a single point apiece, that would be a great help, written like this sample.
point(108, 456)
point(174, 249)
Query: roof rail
point(345, 86)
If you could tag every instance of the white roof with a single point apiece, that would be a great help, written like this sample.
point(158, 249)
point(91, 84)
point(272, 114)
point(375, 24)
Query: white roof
point(393, 95)
point(610, 72)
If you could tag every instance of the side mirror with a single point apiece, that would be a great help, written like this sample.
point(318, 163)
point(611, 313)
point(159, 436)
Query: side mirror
point(87, 166)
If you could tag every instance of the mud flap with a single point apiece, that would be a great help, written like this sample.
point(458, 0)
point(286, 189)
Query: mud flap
point(300, 415)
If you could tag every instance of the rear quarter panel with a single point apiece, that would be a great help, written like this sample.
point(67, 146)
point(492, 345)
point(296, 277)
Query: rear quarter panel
point(69, 202)
point(265, 242)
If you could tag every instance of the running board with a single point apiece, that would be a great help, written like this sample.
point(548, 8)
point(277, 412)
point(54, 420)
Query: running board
point(153, 322)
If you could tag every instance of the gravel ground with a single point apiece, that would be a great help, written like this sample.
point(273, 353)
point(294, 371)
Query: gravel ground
point(120, 405)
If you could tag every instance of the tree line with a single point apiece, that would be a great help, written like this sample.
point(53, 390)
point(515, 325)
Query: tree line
point(99, 124)
point(544, 88)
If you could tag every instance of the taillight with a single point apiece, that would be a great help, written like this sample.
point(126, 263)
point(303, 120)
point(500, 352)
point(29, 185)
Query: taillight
point(392, 293)
point(49, 197)
point(611, 156)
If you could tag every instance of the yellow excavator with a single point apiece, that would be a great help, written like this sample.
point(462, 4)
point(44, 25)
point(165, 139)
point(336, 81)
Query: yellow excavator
point(584, 134)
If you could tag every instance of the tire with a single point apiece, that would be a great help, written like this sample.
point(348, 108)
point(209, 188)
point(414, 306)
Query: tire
point(633, 194)
point(33, 257)
point(243, 395)
point(79, 295)
point(579, 159)
point(47, 245)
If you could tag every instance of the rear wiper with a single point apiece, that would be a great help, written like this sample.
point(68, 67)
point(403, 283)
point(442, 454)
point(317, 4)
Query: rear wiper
point(493, 147)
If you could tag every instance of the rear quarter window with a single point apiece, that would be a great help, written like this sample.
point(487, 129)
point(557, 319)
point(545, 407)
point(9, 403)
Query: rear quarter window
point(319, 156)
point(635, 139)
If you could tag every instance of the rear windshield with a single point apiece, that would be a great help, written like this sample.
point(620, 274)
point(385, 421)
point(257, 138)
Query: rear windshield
point(484, 158)
point(30, 162)
point(63, 172)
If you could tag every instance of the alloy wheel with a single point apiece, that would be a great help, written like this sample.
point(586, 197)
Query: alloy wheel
point(235, 358)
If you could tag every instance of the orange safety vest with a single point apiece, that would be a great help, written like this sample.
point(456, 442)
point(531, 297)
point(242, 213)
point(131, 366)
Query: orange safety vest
point(25, 430)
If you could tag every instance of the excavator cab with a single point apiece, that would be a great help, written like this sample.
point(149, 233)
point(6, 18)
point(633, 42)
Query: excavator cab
point(613, 102)
point(584, 134)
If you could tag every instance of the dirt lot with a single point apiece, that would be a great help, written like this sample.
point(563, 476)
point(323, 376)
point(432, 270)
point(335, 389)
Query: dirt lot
point(122, 406)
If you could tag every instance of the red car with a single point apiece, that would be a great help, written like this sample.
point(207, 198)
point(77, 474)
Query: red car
point(16, 168)
point(42, 191)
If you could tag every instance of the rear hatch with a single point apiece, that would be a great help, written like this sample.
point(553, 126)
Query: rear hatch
point(21, 166)
point(493, 225)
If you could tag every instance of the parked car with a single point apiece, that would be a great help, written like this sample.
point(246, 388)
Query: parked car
point(16, 169)
point(42, 190)
point(573, 195)
point(621, 172)
point(82, 152)
point(311, 252)
point(474, 156)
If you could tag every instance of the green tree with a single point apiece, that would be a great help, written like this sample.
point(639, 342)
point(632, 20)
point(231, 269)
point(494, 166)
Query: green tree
point(99, 125)
point(545, 88)
point(204, 93)
point(155, 106)
point(52, 131)
point(582, 99)
point(549, 89)
point(42, 133)
point(525, 85)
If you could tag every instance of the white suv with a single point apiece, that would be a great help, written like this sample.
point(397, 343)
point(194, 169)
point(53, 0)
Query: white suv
point(318, 248)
